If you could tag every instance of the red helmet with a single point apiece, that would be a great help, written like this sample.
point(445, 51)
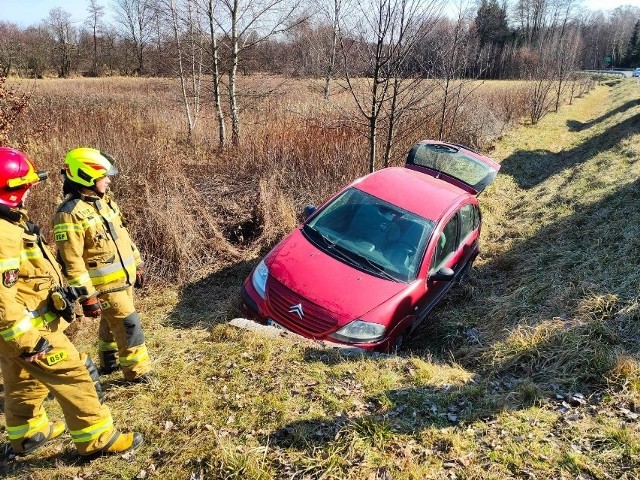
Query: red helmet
point(17, 175)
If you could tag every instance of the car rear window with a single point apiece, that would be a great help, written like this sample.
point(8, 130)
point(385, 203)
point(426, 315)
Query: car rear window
point(453, 162)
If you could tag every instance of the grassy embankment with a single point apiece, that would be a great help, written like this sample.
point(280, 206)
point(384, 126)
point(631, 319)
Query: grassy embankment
point(529, 371)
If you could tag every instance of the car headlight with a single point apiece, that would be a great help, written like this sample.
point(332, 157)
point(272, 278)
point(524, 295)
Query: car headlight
point(360, 332)
point(259, 279)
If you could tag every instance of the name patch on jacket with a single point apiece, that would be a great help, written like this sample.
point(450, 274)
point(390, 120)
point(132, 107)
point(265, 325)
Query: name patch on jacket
point(55, 357)
point(61, 236)
point(10, 277)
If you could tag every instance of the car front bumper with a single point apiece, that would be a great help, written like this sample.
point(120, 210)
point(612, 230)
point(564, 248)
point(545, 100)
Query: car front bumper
point(255, 308)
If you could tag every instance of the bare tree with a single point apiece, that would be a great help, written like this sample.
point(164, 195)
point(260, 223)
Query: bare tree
point(96, 12)
point(10, 48)
point(136, 17)
point(251, 22)
point(387, 32)
point(215, 69)
point(185, 30)
point(454, 51)
point(63, 33)
point(565, 46)
point(334, 15)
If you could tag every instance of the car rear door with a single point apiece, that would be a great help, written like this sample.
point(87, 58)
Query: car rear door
point(455, 164)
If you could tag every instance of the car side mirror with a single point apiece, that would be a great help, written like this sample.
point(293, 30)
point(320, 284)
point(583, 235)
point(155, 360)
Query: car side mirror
point(445, 274)
point(308, 211)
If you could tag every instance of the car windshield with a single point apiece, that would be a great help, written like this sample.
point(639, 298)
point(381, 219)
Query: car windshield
point(371, 234)
point(451, 161)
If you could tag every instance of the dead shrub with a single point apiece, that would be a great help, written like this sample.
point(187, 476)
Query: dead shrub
point(277, 213)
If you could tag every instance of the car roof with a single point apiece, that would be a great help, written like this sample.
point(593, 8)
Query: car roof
point(414, 191)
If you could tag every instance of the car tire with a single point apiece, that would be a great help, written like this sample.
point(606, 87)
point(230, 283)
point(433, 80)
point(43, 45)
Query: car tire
point(398, 343)
point(463, 276)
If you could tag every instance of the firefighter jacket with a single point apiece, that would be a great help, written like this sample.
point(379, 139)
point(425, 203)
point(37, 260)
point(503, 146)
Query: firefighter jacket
point(94, 246)
point(29, 273)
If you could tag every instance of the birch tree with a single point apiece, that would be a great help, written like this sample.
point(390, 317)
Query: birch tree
point(216, 84)
point(334, 15)
point(250, 22)
point(189, 57)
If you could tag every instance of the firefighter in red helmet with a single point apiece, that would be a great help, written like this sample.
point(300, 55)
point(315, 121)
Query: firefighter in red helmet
point(36, 357)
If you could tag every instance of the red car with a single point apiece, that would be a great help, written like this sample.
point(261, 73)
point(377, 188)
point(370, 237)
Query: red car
point(367, 267)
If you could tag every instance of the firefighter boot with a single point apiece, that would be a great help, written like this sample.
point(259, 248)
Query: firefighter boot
point(108, 361)
point(32, 443)
point(119, 443)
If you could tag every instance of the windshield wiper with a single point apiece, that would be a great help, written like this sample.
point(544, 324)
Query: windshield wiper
point(317, 235)
point(373, 266)
point(330, 245)
point(348, 255)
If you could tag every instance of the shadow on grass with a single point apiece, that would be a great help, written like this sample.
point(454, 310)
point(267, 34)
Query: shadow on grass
point(407, 412)
point(575, 126)
point(31, 465)
point(532, 167)
point(213, 299)
point(583, 268)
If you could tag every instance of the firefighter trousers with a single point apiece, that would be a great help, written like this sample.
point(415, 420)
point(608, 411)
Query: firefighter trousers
point(120, 335)
point(64, 373)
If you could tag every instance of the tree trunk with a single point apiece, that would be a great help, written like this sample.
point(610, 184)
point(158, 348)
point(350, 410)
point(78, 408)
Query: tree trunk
point(215, 73)
point(185, 98)
point(233, 105)
point(332, 51)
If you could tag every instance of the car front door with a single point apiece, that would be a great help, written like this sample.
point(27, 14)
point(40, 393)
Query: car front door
point(444, 255)
point(456, 246)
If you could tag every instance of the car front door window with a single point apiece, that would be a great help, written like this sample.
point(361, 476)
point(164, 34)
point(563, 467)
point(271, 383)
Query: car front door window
point(447, 243)
point(469, 220)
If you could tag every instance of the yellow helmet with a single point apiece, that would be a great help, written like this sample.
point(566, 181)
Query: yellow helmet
point(86, 165)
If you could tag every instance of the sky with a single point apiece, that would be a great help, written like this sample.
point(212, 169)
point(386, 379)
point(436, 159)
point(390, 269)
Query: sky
point(30, 12)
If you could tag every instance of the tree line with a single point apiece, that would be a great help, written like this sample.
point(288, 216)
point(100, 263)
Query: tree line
point(288, 37)
point(389, 54)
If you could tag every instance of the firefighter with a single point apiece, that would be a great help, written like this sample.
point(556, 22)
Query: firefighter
point(36, 357)
point(97, 253)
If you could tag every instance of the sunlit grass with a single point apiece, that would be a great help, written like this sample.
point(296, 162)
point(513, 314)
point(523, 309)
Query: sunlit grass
point(486, 388)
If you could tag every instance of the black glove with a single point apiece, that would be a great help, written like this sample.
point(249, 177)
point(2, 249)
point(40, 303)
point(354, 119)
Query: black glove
point(62, 299)
point(140, 280)
point(59, 303)
point(43, 345)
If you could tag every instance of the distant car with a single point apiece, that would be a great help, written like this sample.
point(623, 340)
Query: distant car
point(367, 267)
point(636, 72)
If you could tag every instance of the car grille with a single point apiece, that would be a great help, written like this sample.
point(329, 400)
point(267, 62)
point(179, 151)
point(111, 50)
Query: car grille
point(315, 320)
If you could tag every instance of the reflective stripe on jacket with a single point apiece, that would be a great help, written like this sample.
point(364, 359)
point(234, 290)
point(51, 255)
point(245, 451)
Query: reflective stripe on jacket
point(29, 271)
point(94, 245)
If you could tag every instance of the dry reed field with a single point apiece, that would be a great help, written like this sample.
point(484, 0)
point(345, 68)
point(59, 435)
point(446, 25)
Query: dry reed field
point(186, 199)
point(530, 370)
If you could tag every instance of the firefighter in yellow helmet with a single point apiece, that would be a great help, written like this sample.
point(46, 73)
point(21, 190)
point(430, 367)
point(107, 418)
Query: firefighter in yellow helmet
point(97, 253)
point(36, 357)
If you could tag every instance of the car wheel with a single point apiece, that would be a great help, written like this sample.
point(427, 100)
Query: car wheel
point(398, 343)
point(464, 274)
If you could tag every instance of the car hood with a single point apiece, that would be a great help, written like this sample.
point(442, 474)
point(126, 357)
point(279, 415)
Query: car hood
point(327, 282)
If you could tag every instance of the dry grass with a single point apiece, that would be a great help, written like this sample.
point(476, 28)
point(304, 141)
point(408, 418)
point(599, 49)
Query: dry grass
point(186, 199)
point(528, 371)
